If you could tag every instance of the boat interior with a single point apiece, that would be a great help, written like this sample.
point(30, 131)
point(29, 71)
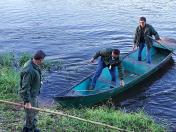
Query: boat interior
point(132, 69)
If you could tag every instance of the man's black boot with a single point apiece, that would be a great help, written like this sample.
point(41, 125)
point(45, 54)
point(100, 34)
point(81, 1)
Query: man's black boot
point(25, 129)
point(36, 130)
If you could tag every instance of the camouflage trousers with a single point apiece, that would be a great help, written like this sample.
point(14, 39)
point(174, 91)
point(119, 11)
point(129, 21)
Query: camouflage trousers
point(30, 115)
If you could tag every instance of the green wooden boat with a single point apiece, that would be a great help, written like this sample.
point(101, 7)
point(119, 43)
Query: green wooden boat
point(134, 72)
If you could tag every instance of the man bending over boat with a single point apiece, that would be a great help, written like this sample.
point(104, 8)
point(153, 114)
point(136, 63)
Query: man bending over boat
point(141, 38)
point(109, 58)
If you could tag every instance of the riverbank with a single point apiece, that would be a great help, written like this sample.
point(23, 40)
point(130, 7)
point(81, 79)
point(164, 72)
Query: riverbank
point(11, 118)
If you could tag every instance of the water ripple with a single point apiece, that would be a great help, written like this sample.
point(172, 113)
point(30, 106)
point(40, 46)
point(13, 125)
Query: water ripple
point(71, 32)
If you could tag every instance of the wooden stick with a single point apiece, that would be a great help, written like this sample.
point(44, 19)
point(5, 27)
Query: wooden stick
point(69, 116)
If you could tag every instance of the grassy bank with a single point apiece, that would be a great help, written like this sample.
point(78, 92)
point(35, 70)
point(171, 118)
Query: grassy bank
point(11, 118)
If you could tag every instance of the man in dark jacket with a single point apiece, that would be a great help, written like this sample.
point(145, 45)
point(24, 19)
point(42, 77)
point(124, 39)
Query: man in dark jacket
point(141, 38)
point(109, 58)
point(30, 83)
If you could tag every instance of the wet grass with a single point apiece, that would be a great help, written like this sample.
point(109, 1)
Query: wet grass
point(24, 58)
point(11, 118)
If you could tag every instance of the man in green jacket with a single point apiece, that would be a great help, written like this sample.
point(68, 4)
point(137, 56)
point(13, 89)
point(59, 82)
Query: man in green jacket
point(109, 58)
point(141, 38)
point(30, 83)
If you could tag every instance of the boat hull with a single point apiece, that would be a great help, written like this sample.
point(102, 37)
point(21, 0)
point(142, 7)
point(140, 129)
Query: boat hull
point(88, 98)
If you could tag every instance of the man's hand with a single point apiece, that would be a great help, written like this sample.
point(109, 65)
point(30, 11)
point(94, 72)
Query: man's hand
point(134, 47)
point(159, 40)
point(27, 106)
point(122, 83)
point(92, 60)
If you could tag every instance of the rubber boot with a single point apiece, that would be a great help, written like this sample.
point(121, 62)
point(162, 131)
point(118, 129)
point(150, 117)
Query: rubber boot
point(36, 130)
point(25, 129)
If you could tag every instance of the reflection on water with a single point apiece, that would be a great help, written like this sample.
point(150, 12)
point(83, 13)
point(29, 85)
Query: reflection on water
point(72, 31)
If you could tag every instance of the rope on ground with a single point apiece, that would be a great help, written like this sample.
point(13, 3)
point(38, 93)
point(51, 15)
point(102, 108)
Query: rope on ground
point(66, 115)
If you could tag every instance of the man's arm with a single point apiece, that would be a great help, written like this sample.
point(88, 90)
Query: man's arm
point(155, 33)
point(97, 55)
point(135, 39)
point(26, 87)
point(120, 70)
point(135, 36)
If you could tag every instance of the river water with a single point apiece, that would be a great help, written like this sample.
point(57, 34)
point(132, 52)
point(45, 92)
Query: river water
point(71, 31)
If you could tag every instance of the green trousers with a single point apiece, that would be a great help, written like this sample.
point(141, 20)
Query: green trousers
point(30, 118)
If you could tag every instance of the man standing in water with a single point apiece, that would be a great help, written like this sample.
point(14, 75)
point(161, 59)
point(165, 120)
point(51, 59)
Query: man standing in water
point(109, 58)
point(141, 38)
point(30, 83)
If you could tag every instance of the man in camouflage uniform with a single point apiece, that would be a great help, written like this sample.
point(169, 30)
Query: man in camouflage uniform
point(30, 83)
point(109, 58)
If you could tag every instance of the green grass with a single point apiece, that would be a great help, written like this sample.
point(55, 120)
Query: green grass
point(129, 121)
point(11, 117)
point(24, 58)
point(8, 83)
point(6, 60)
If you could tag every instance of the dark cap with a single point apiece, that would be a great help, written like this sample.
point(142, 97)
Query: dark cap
point(39, 55)
point(142, 19)
point(116, 51)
